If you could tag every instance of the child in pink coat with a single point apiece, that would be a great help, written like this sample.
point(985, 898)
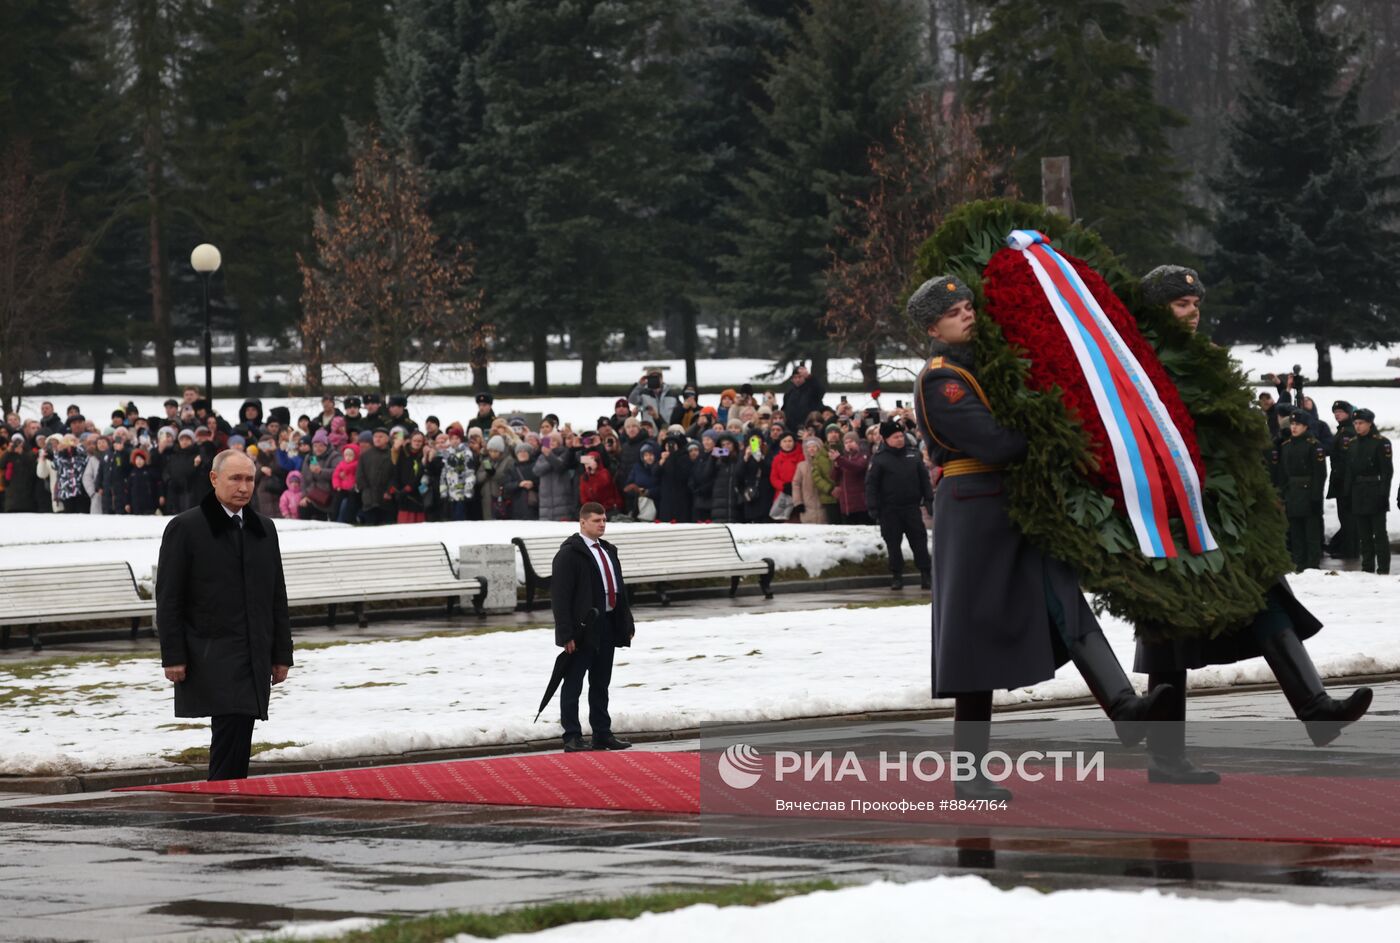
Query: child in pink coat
point(289, 505)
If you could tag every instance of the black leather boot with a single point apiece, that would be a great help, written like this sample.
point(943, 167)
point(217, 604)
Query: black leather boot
point(925, 579)
point(972, 732)
point(1167, 761)
point(1322, 715)
point(1110, 686)
point(898, 582)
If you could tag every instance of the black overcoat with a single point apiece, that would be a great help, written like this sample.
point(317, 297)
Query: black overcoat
point(577, 586)
point(221, 615)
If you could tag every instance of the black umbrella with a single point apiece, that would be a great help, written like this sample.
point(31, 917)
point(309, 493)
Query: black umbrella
point(561, 664)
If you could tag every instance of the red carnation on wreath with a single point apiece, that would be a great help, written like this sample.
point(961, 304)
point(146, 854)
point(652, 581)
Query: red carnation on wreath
point(1015, 301)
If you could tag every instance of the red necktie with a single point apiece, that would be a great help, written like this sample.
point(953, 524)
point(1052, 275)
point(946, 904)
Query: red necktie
point(607, 576)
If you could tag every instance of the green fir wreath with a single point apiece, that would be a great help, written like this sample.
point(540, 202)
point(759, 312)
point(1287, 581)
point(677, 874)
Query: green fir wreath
point(1065, 514)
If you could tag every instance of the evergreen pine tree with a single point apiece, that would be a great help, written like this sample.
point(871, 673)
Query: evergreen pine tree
point(1074, 77)
point(1305, 230)
point(839, 89)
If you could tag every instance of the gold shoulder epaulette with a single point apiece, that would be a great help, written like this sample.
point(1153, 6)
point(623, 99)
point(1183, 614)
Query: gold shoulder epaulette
point(935, 363)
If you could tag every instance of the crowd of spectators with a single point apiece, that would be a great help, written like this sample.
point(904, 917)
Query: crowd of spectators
point(663, 455)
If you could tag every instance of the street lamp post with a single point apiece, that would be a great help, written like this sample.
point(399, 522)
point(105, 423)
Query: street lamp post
point(205, 260)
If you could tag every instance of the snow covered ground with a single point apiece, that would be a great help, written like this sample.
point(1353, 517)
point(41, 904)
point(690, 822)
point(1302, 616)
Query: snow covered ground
point(460, 691)
point(970, 908)
point(54, 539)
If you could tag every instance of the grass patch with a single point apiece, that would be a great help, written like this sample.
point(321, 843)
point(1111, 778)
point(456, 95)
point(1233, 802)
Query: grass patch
point(438, 927)
point(182, 726)
point(264, 747)
point(192, 756)
point(370, 684)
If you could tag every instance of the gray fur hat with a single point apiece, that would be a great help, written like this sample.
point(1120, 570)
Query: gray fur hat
point(934, 297)
point(1166, 283)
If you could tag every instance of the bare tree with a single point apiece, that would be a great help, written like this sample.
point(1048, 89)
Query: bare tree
point(39, 268)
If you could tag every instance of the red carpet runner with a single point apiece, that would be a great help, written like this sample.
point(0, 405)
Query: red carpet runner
point(1245, 806)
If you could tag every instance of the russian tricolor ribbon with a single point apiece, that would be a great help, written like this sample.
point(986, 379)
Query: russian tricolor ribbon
point(1140, 430)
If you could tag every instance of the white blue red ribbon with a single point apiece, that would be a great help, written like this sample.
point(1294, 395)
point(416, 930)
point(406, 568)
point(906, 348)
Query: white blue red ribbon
point(1140, 430)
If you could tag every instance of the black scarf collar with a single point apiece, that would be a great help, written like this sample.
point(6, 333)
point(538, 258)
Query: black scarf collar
point(219, 520)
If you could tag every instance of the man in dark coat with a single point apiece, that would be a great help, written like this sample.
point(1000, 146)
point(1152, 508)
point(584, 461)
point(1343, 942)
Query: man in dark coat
point(897, 487)
point(1300, 470)
point(221, 611)
point(485, 413)
point(1276, 632)
point(1004, 615)
point(1369, 469)
point(374, 477)
point(1343, 545)
point(804, 398)
point(588, 575)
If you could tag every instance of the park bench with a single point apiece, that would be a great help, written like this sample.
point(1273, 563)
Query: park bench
point(76, 592)
point(357, 575)
point(662, 555)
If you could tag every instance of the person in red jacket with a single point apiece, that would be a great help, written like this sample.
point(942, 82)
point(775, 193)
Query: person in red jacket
point(785, 462)
point(596, 484)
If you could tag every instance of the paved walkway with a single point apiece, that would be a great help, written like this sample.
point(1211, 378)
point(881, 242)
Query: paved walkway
point(172, 867)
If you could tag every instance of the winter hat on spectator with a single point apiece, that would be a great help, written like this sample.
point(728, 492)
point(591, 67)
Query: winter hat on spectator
point(236, 440)
point(710, 434)
point(141, 454)
point(649, 447)
point(485, 399)
point(622, 401)
point(765, 411)
point(17, 437)
point(495, 444)
point(1166, 283)
point(525, 448)
point(933, 298)
point(1364, 414)
point(352, 401)
point(373, 399)
point(1300, 418)
point(399, 431)
point(293, 476)
point(455, 429)
point(398, 399)
point(475, 433)
point(365, 436)
point(280, 414)
point(1342, 405)
point(731, 393)
point(186, 433)
point(166, 432)
point(708, 411)
point(851, 435)
point(321, 436)
point(889, 427)
point(515, 421)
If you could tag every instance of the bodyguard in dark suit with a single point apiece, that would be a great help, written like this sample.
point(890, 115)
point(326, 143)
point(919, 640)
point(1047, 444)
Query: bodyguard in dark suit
point(587, 575)
point(221, 611)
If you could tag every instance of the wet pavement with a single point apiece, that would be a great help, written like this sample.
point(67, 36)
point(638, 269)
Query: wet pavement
point(162, 866)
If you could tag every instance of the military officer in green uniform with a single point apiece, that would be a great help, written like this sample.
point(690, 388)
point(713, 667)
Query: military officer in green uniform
point(1343, 543)
point(1300, 472)
point(1368, 473)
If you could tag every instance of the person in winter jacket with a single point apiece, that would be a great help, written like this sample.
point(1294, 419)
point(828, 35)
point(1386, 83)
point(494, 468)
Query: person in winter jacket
point(757, 482)
point(596, 483)
point(375, 478)
point(345, 499)
point(316, 474)
point(554, 470)
point(93, 471)
point(726, 489)
point(182, 464)
point(785, 462)
point(643, 481)
point(673, 501)
point(806, 499)
point(823, 471)
point(18, 470)
point(521, 485)
point(702, 477)
point(272, 481)
point(409, 487)
point(457, 484)
point(250, 420)
point(491, 475)
point(141, 486)
point(290, 502)
point(850, 480)
point(113, 475)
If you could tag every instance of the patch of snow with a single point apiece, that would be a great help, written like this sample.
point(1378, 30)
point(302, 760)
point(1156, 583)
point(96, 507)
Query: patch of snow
point(458, 691)
point(970, 908)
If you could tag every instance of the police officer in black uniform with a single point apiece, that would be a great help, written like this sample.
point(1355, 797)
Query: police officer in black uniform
point(897, 486)
point(1369, 470)
point(1004, 615)
point(485, 413)
point(1343, 545)
point(1300, 471)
